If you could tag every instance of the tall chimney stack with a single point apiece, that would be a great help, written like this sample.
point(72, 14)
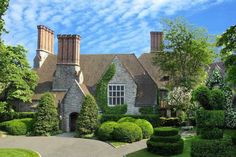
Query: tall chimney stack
point(68, 49)
point(156, 41)
point(45, 45)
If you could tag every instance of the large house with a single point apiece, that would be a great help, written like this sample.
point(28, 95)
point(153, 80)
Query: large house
point(69, 75)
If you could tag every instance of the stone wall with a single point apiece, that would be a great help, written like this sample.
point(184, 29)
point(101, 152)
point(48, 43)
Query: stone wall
point(72, 103)
point(122, 76)
point(64, 76)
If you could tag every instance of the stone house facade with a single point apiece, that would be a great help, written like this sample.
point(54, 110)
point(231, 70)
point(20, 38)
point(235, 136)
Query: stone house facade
point(70, 75)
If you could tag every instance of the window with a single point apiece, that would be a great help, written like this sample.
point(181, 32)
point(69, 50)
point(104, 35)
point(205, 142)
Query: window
point(116, 94)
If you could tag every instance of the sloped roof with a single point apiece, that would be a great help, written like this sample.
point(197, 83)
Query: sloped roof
point(94, 66)
point(153, 70)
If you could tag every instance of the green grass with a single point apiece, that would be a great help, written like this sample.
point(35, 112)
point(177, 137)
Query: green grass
point(16, 152)
point(117, 144)
point(145, 153)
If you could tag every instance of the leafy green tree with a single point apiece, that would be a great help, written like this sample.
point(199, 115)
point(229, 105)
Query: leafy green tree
point(3, 8)
point(87, 121)
point(17, 79)
point(228, 42)
point(46, 121)
point(185, 54)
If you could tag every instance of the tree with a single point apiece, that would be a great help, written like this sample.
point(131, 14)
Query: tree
point(185, 54)
point(3, 8)
point(87, 121)
point(46, 121)
point(228, 41)
point(17, 79)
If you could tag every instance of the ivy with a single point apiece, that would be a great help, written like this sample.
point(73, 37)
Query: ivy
point(101, 93)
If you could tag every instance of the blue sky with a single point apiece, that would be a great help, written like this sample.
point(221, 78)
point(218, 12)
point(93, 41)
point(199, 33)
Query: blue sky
point(110, 26)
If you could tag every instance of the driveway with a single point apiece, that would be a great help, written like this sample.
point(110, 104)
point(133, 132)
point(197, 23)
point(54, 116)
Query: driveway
point(64, 146)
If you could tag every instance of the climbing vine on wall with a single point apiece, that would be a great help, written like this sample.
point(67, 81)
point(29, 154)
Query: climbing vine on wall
point(101, 93)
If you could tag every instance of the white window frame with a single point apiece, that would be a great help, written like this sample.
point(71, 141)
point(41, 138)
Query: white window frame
point(108, 94)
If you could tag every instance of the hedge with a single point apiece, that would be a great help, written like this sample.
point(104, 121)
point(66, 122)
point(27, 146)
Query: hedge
point(105, 130)
point(126, 119)
point(169, 139)
point(211, 133)
point(167, 149)
point(211, 148)
point(7, 116)
point(234, 138)
point(210, 118)
point(17, 126)
point(127, 132)
point(166, 131)
point(152, 118)
point(146, 127)
point(173, 121)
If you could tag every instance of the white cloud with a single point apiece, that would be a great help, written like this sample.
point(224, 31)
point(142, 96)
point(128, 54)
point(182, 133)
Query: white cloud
point(113, 26)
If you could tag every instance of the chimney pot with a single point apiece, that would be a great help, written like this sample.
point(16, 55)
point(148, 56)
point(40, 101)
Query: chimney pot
point(45, 39)
point(156, 41)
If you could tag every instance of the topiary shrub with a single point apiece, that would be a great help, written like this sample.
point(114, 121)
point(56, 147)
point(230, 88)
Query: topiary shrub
point(146, 127)
point(162, 148)
point(17, 126)
point(46, 121)
point(202, 95)
point(166, 131)
point(105, 131)
point(127, 132)
point(87, 121)
point(126, 119)
point(217, 100)
point(211, 133)
point(211, 148)
point(165, 141)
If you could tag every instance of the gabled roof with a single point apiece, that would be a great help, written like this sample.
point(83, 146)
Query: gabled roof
point(146, 59)
point(94, 66)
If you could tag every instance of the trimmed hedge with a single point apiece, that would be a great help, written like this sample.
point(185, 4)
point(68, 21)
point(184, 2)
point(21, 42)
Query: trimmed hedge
point(126, 119)
point(173, 121)
point(210, 118)
point(168, 139)
point(162, 148)
point(7, 116)
point(211, 148)
point(105, 130)
point(211, 133)
point(152, 118)
point(234, 139)
point(146, 127)
point(127, 132)
point(17, 126)
point(218, 100)
point(166, 131)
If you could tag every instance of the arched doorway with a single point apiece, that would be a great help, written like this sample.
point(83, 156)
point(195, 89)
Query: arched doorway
point(73, 118)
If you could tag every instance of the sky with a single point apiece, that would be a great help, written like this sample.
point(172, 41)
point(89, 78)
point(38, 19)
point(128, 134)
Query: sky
point(110, 26)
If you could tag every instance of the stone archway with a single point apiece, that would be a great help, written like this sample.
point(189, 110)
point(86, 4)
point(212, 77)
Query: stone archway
point(73, 118)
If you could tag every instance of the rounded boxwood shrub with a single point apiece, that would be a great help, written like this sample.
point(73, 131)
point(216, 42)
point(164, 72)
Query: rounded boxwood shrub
point(211, 148)
point(169, 139)
point(146, 127)
point(202, 95)
point(127, 132)
point(218, 100)
point(126, 119)
point(166, 131)
point(105, 130)
point(212, 133)
point(17, 126)
point(163, 148)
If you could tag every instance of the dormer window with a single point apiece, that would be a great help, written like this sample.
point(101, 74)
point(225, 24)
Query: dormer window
point(116, 94)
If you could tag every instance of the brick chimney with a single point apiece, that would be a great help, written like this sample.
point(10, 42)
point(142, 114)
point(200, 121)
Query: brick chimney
point(68, 49)
point(156, 41)
point(45, 45)
point(68, 65)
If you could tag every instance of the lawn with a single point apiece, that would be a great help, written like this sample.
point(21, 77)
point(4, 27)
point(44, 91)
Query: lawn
point(16, 152)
